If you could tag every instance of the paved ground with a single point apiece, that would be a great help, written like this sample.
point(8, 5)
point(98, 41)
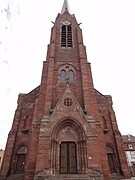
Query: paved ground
point(133, 178)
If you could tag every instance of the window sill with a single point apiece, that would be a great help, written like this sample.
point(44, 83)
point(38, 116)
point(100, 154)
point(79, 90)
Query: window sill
point(25, 131)
point(105, 131)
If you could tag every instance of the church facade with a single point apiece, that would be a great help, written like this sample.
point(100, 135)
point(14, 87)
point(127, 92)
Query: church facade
point(65, 128)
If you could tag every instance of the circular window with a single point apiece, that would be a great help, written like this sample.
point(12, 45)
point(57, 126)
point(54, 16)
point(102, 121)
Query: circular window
point(68, 102)
point(130, 146)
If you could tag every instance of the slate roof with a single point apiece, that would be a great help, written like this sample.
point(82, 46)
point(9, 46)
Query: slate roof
point(128, 138)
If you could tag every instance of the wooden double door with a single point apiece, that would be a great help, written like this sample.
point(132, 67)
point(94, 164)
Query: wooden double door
point(68, 158)
point(20, 164)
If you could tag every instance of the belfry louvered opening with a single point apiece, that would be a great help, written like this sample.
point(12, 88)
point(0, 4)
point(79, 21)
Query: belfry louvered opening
point(66, 36)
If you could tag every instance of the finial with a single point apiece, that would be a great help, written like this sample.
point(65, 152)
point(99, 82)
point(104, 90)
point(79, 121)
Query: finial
point(65, 7)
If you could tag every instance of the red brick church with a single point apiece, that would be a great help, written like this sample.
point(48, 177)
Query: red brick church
point(65, 128)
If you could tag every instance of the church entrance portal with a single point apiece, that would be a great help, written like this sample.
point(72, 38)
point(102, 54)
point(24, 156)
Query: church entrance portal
point(68, 158)
point(68, 148)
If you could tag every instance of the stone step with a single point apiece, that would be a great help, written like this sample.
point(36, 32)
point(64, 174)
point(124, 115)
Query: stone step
point(116, 176)
point(66, 177)
point(71, 177)
point(16, 177)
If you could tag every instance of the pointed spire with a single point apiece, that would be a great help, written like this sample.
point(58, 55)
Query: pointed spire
point(65, 7)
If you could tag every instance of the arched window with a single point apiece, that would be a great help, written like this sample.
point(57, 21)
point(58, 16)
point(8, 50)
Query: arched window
point(104, 122)
point(71, 76)
point(26, 125)
point(69, 36)
point(63, 36)
point(26, 122)
point(21, 160)
point(66, 36)
point(63, 76)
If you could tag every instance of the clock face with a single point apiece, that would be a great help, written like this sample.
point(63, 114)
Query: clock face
point(66, 23)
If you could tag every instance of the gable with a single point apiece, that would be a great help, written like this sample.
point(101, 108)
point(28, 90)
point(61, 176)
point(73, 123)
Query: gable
point(67, 105)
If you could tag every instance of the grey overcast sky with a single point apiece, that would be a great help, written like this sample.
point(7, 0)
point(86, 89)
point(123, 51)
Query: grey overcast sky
point(109, 35)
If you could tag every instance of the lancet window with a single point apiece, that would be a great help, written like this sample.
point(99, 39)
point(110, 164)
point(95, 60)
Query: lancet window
point(71, 76)
point(66, 36)
point(63, 76)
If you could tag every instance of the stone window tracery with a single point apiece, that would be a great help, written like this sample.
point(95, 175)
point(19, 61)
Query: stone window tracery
point(67, 75)
point(68, 102)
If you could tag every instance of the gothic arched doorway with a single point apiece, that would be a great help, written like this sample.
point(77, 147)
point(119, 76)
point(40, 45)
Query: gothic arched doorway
point(111, 159)
point(68, 148)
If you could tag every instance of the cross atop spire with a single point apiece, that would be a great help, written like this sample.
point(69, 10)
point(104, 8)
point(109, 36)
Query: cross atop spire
point(65, 7)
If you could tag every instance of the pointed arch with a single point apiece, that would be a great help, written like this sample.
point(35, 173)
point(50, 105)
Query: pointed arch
point(71, 76)
point(68, 132)
point(69, 122)
point(111, 158)
point(63, 75)
point(104, 122)
point(26, 122)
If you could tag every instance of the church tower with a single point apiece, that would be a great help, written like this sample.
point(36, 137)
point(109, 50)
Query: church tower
point(65, 128)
